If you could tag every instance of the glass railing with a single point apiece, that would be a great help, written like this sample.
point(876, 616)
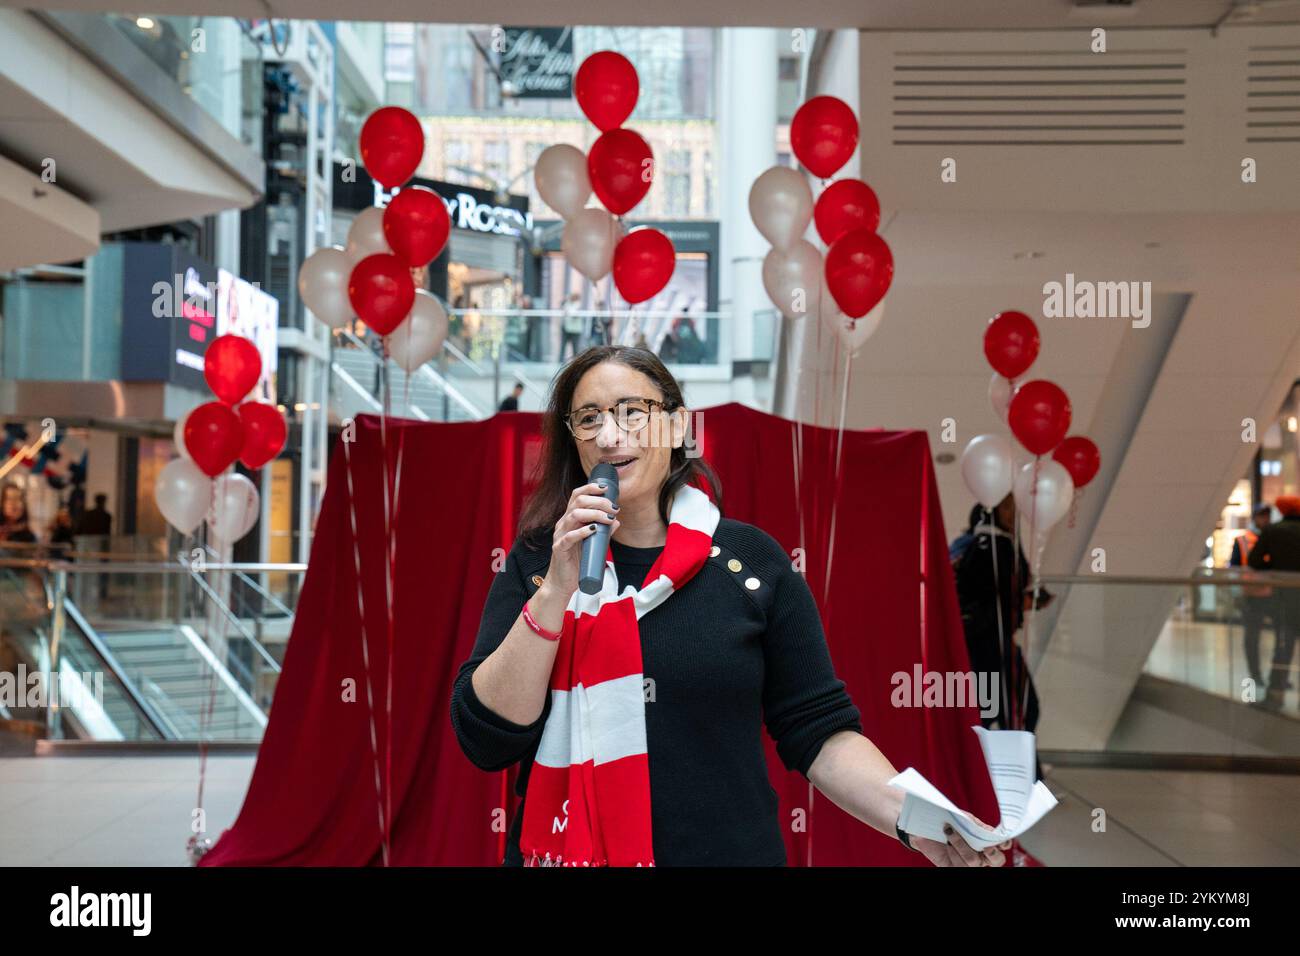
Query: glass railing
point(168, 650)
point(551, 336)
point(1174, 666)
point(360, 377)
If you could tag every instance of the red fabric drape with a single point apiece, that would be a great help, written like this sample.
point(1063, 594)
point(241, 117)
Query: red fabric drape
point(890, 605)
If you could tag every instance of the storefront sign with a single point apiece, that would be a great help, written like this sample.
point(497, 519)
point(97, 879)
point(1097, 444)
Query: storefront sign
point(174, 304)
point(537, 62)
point(168, 314)
point(467, 212)
point(244, 309)
point(478, 210)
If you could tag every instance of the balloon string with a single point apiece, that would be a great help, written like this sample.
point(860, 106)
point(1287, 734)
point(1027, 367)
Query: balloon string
point(365, 648)
point(839, 472)
point(387, 391)
point(212, 687)
point(1018, 596)
point(1004, 693)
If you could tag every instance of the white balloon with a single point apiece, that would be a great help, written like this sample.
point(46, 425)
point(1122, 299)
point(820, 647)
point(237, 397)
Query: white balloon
point(562, 180)
point(1000, 392)
point(855, 332)
point(421, 333)
point(851, 333)
point(183, 493)
point(793, 279)
point(235, 506)
point(178, 436)
point(323, 285)
point(1043, 503)
point(366, 235)
point(781, 205)
point(588, 242)
point(986, 468)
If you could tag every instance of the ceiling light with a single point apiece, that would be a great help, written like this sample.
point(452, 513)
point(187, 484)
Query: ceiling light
point(144, 23)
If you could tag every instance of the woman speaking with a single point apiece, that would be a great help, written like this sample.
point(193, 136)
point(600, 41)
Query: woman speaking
point(636, 713)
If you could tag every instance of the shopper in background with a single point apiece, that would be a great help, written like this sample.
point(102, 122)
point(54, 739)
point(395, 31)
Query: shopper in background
point(61, 532)
point(533, 330)
point(97, 520)
point(993, 590)
point(602, 327)
point(14, 526)
point(570, 325)
point(1278, 549)
point(1256, 599)
point(511, 402)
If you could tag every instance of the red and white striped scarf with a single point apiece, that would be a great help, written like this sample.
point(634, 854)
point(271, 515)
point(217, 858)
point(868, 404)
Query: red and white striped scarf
point(588, 796)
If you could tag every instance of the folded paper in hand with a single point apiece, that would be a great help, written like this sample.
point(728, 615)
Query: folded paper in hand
point(1022, 800)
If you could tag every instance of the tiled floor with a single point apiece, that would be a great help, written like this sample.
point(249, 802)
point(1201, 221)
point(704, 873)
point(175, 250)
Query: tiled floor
point(135, 811)
point(1212, 657)
point(112, 811)
point(1169, 818)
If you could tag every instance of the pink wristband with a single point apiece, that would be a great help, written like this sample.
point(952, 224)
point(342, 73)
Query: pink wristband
point(537, 628)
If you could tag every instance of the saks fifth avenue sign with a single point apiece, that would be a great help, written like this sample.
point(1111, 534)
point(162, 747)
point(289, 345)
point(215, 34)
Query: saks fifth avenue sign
point(537, 62)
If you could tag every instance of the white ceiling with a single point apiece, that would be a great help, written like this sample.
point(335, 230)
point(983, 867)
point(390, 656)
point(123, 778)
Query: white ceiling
point(863, 14)
point(106, 148)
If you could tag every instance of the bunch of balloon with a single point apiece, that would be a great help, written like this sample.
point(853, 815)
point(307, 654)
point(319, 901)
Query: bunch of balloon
point(844, 288)
point(1038, 413)
point(371, 278)
point(199, 484)
point(619, 169)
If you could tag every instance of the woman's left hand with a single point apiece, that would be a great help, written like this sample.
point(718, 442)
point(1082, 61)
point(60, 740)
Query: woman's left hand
point(957, 852)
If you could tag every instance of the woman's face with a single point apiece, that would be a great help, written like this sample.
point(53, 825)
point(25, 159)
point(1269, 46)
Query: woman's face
point(12, 507)
point(641, 458)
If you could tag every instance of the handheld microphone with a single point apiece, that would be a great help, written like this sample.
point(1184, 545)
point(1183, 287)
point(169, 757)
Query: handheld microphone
point(591, 572)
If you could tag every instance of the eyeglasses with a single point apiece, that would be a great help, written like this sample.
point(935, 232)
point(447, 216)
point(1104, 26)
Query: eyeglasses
point(631, 415)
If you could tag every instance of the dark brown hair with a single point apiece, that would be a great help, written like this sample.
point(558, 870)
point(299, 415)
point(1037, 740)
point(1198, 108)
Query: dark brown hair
point(559, 469)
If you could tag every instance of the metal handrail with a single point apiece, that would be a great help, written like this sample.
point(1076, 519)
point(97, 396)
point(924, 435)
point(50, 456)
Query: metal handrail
point(249, 582)
point(426, 370)
point(234, 619)
point(1222, 577)
point(593, 313)
point(143, 567)
point(106, 656)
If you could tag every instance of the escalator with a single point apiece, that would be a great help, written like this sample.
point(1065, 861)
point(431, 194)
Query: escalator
point(126, 679)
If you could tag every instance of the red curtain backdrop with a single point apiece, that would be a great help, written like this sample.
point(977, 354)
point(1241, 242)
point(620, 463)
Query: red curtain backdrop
point(890, 606)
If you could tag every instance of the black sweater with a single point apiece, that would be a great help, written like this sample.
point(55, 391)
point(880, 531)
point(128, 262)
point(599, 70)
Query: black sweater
point(722, 659)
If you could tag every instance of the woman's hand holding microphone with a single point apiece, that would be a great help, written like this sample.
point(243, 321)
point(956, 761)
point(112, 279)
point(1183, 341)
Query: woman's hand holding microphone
point(588, 508)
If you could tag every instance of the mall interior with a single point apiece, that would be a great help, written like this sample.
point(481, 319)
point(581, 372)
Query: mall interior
point(200, 148)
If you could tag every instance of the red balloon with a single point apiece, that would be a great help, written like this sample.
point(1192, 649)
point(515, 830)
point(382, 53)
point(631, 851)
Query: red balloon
point(859, 269)
point(644, 260)
point(824, 134)
point(847, 204)
point(620, 166)
point(606, 88)
point(1039, 415)
point(381, 291)
point(213, 437)
point(392, 145)
point(416, 225)
point(1011, 343)
point(232, 365)
point(1080, 458)
point(264, 433)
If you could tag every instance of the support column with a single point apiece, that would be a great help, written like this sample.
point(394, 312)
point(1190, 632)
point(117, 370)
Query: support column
point(746, 108)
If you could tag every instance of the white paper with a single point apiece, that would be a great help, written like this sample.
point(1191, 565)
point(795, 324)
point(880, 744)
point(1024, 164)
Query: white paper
point(1022, 800)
